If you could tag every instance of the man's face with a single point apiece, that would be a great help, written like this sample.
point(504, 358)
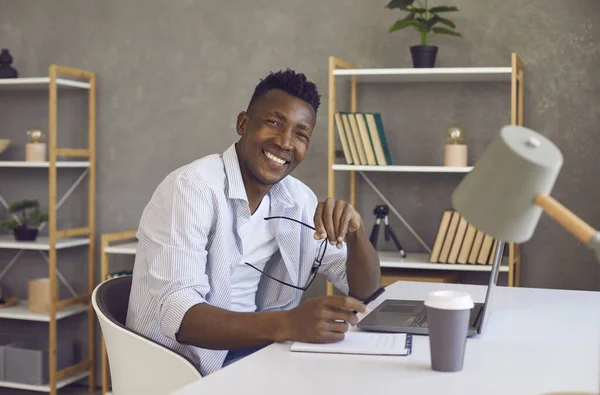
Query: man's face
point(275, 132)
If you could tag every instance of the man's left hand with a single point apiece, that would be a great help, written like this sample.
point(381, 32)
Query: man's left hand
point(334, 219)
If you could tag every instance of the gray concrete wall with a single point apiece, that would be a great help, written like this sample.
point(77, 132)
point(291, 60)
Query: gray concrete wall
point(172, 76)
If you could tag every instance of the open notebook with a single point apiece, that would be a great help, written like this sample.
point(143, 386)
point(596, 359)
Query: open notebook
point(356, 342)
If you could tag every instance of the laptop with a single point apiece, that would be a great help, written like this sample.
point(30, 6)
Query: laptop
point(410, 316)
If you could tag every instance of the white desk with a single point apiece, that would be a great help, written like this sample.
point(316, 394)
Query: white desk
point(537, 341)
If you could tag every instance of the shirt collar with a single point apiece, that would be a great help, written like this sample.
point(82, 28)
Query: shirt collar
point(235, 186)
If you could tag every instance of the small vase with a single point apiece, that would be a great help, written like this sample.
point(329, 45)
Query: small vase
point(455, 155)
point(6, 70)
point(35, 152)
point(25, 234)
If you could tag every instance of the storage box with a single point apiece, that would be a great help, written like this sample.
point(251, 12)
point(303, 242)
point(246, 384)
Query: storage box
point(27, 362)
point(8, 339)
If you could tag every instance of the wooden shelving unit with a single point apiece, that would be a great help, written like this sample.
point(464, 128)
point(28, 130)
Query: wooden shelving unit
point(59, 77)
point(341, 70)
point(114, 243)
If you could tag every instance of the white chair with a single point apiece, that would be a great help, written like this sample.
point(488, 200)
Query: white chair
point(138, 365)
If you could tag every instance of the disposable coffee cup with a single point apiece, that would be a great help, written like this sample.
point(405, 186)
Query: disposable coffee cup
point(448, 315)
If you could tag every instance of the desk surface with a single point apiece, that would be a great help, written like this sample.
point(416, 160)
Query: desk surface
point(537, 341)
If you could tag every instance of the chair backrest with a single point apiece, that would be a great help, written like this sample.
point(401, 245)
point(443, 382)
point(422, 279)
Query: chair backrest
point(138, 365)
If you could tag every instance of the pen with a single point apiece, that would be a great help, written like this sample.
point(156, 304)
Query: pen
point(373, 296)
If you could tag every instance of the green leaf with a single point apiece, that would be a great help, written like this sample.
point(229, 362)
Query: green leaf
point(417, 10)
point(22, 205)
point(402, 4)
point(443, 8)
point(9, 224)
point(403, 23)
point(432, 21)
point(446, 22)
point(29, 214)
point(36, 218)
point(409, 16)
point(443, 30)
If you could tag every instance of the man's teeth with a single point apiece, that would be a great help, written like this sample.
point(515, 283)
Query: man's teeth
point(274, 158)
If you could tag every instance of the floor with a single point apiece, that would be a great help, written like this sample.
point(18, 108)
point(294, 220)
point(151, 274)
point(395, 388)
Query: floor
point(70, 390)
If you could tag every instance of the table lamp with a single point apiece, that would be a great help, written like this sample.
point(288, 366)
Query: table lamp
point(509, 188)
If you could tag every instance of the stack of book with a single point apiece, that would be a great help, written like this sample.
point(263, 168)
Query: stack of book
point(363, 138)
point(458, 241)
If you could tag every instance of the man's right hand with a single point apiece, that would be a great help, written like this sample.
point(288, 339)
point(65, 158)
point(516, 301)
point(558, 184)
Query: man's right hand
point(322, 320)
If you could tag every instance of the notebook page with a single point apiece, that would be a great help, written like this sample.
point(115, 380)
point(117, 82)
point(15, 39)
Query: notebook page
point(360, 343)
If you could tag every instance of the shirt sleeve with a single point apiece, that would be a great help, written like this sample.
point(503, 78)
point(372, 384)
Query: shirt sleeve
point(334, 266)
point(175, 226)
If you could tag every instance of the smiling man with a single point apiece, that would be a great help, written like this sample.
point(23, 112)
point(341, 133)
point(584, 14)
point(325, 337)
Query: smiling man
point(229, 242)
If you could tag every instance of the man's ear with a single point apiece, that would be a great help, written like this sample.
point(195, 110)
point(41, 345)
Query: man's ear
point(242, 121)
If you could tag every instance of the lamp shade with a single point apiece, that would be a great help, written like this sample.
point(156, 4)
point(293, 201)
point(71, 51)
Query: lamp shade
point(497, 196)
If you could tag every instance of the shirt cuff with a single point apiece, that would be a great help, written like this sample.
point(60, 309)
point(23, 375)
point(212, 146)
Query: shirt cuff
point(174, 308)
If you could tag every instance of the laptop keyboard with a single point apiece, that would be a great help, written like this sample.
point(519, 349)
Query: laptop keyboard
point(420, 320)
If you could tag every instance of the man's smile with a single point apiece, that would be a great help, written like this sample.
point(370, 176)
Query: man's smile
point(275, 160)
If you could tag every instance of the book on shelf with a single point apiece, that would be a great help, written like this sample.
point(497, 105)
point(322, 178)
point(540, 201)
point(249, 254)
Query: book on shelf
point(342, 126)
point(463, 255)
point(449, 238)
point(366, 138)
point(345, 144)
point(363, 138)
point(459, 242)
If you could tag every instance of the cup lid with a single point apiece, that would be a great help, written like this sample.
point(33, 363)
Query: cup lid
point(449, 300)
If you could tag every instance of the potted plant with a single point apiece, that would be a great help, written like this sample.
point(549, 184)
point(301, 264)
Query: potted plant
point(27, 217)
point(426, 21)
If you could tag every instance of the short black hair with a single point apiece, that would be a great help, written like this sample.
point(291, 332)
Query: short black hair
point(291, 82)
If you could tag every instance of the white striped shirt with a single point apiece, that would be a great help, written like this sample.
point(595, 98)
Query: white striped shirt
point(189, 243)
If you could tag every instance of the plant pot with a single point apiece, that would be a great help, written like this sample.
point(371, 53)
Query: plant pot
point(25, 234)
point(423, 55)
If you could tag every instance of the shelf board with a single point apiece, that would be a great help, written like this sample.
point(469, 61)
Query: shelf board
point(19, 163)
point(404, 169)
point(40, 82)
point(8, 241)
point(46, 388)
point(21, 312)
point(415, 260)
point(435, 74)
point(123, 248)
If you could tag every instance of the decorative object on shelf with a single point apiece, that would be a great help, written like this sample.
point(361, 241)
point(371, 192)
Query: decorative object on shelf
point(27, 217)
point(423, 20)
point(7, 302)
point(38, 295)
point(6, 70)
point(35, 149)
point(381, 213)
point(455, 151)
point(4, 143)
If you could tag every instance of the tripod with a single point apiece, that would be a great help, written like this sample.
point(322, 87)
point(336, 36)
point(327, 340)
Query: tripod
point(381, 212)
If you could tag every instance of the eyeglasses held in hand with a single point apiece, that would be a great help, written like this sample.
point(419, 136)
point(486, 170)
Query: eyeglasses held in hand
point(316, 263)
